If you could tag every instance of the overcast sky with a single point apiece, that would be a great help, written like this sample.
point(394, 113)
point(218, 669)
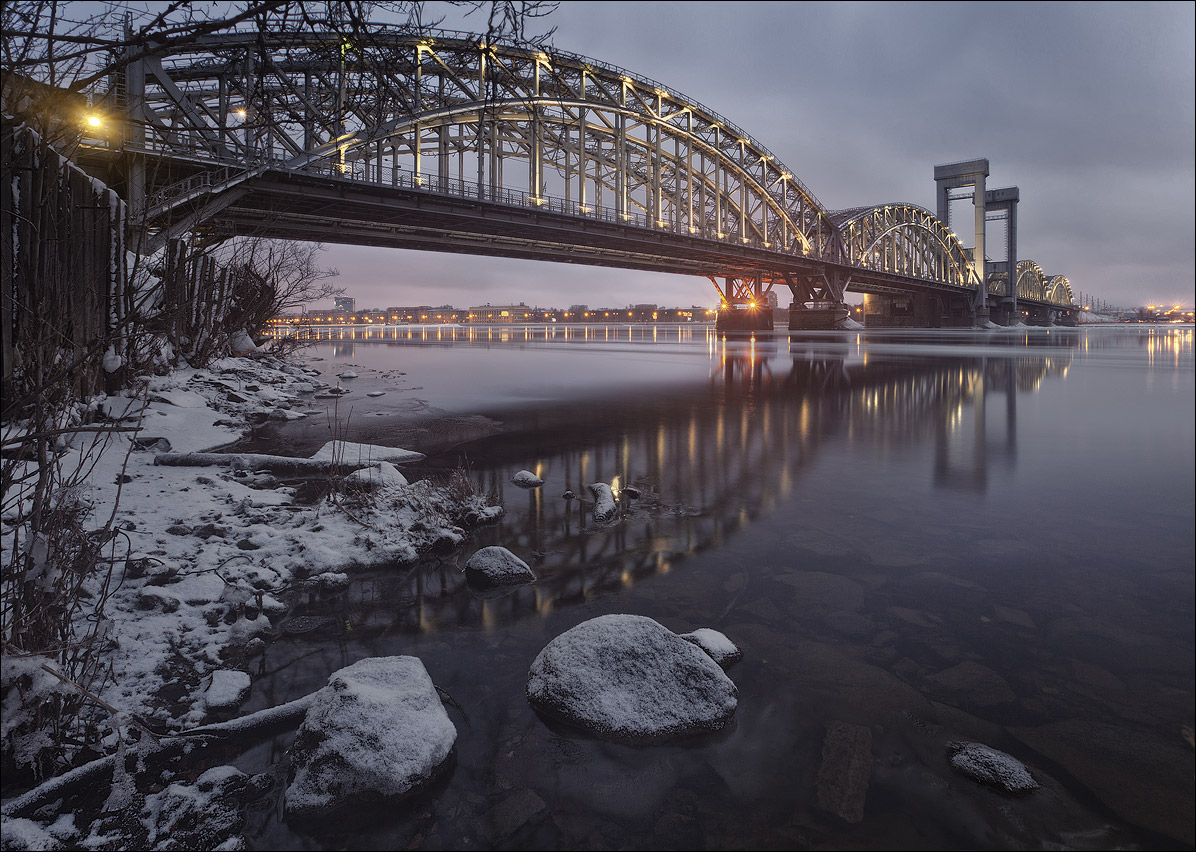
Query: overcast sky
point(1086, 107)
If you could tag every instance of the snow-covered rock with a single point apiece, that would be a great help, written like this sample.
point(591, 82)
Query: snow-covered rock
point(242, 344)
point(226, 689)
point(629, 678)
point(497, 566)
point(604, 502)
point(352, 452)
point(376, 732)
point(527, 479)
point(347, 374)
point(721, 649)
point(380, 475)
point(989, 766)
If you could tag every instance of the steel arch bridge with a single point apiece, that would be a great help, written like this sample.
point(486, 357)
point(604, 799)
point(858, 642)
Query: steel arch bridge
point(440, 141)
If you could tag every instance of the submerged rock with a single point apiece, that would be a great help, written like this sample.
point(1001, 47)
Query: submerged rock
point(377, 732)
point(845, 770)
point(629, 678)
point(527, 479)
point(496, 566)
point(989, 766)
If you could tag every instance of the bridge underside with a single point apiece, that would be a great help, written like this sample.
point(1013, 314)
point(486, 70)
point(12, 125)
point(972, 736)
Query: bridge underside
point(300, 207)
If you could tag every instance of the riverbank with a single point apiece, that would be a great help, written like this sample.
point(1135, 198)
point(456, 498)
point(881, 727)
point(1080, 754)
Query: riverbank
point(210, 560)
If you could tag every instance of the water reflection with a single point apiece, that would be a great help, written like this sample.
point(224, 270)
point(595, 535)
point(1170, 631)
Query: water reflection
point(700, 464)
point(881, 521)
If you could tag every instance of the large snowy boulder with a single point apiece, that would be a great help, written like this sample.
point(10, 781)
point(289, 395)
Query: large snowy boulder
point(629, 678)
point(496, 566)
point(376, 732)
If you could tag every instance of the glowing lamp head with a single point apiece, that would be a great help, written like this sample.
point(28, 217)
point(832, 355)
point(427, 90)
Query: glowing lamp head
point(94, 120)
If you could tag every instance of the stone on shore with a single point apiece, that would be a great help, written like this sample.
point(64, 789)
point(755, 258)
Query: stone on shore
point(377, 732)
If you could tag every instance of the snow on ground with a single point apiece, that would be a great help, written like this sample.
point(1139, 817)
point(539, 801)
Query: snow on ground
point(206, 554)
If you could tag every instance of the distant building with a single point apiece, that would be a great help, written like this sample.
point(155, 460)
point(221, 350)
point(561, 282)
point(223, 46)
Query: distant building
point(502, 313)
point(347, 304)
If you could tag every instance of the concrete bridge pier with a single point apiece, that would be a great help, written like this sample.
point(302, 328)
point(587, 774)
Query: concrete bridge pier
point(817, 316)
point(1004, 312)
point(743, 316)
point(921, 310)
point(743, 304)
point(1038, 315)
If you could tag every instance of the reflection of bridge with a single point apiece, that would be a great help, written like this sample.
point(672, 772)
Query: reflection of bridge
point(442, 142)
point(708, 460)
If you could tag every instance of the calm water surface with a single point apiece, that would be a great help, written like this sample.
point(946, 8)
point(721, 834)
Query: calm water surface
point(939, 537)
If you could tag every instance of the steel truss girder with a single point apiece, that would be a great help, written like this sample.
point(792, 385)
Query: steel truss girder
point(399, 102)
point(908, 240)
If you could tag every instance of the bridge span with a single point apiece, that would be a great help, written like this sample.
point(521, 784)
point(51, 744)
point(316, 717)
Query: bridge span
point(439, 141)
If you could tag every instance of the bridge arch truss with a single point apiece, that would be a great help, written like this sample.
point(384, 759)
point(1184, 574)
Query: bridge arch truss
point(905, 240)
point(449, 114)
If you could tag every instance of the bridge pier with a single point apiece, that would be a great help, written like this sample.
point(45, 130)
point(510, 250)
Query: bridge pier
point(743, 317)
point(1003, 313)
point(921, 310)
point(819, 316)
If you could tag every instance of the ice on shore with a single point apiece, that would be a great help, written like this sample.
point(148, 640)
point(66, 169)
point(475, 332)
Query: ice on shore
point(355, 453)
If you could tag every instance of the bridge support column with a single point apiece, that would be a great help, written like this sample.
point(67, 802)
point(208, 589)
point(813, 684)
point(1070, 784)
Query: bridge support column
point(818, 301)
point(818, 316)
point(918, 310)
point(1003, 313)
point(744, 305)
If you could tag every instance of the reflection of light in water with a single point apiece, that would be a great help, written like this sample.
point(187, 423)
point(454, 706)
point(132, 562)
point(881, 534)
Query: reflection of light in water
point(489, 620)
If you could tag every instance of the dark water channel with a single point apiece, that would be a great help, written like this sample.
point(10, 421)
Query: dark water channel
point(939, 536)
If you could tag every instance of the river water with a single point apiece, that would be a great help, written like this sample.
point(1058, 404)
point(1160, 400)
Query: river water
point(937, 537)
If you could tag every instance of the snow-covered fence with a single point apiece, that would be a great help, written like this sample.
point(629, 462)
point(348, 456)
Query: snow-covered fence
point(62, 266)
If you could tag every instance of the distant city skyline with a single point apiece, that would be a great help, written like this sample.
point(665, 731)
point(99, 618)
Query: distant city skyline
point(1087, 108)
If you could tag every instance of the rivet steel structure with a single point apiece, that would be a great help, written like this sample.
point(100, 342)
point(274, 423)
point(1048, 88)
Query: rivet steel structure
point(440, 141)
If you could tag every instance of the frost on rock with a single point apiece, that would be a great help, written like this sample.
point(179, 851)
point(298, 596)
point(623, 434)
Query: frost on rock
point(629, 678)
point(380, 475)
point(376, 732)
point(604, 502)
point(527, 479)
point(226, 690)
point(349, 452)
point(989, 766)
point(721, 649)
point(497, 566)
